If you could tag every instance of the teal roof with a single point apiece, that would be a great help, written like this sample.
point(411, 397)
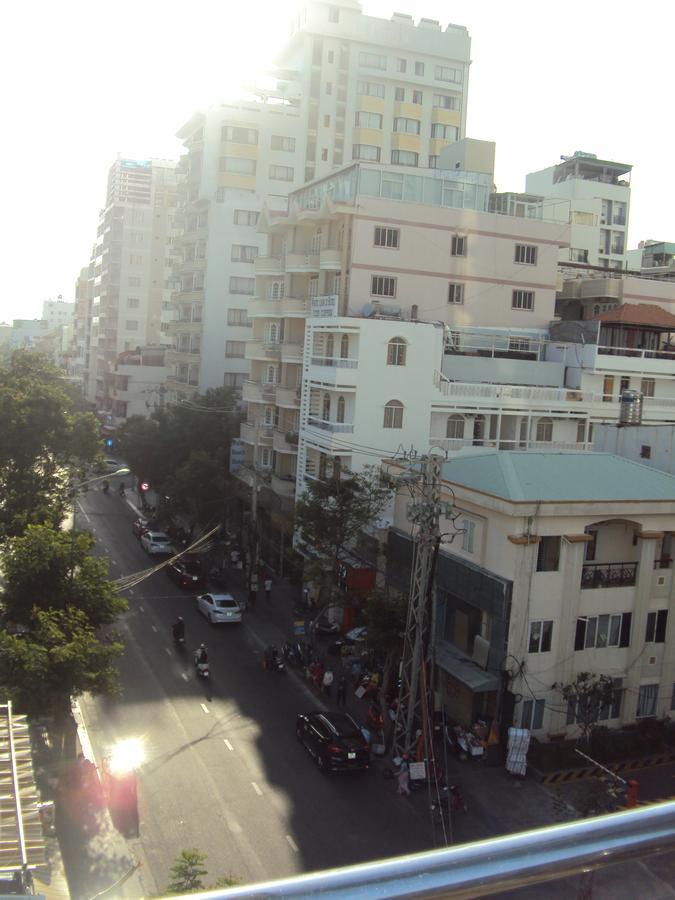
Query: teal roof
point(531, 476)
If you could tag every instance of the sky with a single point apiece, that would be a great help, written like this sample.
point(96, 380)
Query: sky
point(84, 81)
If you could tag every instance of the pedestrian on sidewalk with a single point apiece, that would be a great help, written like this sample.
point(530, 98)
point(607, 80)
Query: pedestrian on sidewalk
point(268, 589)
point(327, 682)
point(404, 777)
point(342, 691)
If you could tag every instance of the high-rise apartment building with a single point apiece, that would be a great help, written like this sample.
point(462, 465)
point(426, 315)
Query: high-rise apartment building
point(349, 86)
point(593, 195)
point(129, 271)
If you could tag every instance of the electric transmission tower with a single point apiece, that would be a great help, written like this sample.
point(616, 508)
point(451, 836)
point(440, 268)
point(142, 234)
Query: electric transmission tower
point(424, 512)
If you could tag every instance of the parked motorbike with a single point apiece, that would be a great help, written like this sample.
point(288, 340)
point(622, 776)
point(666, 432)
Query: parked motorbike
point(272, 661)
point(450, 799)
point(201, 665)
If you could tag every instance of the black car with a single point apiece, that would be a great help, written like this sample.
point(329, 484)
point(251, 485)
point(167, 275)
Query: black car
point(334, 740)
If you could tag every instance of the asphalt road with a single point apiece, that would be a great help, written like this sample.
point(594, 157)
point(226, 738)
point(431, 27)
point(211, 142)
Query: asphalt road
point(223, 771)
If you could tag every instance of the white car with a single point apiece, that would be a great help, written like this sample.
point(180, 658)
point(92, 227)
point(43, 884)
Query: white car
point(219, 608)
point(156, 542)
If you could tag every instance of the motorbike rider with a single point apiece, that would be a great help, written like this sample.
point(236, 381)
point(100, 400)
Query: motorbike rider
point(201, 656)
point(122, 491)
point(179, 629)
point(106, 487)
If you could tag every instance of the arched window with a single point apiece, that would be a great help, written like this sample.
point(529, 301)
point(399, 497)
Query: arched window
point(340, 414)
point(344, 346)
point(273, 333)
point(545, 430)
point(330, 346)
point(393, 414)
point(271, 375)
point(454, 427)
point(396, 352)
point(478, 431)
point(316, 241)
point(276, 290)
point(325, 410)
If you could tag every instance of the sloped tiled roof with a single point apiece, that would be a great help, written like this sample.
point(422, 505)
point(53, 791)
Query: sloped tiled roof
point(646, 314)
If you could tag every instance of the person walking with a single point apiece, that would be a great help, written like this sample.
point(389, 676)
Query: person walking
point(268, 589)
point(341, 696)
point(404, 777)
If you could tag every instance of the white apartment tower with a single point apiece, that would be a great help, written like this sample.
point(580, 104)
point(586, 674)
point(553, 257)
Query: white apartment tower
point(349, 86)
point(130, 270)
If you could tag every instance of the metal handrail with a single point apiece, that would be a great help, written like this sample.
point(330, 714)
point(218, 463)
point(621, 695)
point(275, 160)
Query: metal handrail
point(486, 867)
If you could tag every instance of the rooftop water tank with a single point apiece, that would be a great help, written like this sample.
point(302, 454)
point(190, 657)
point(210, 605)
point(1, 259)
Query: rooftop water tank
point(630, 412)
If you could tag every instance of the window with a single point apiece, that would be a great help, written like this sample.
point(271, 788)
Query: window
point(647, 697)
point(382, 286)
point(548, 553)
point(401, 65)
point(238, 165)
point(446, 101)
point(645, 451)
point(444, 132)
point(540, 636)
point(373, 60)
point(603, 631)
point(344, 346)
point(135, 281)
point(243, 253)
point(239, 135)
point(326, 121)
point(396, 352)
point(407, 126)
point(545, 430)
point(330, 346)
point(468, 532)
point(133, 302)
point(368, 120)
point(238, 317)
point(458, 245)
point(612, 710)
point(433, 162)
point(608, 388)
point(325, 408)
point(647, 386)
point(136, 259)
point(526, 253)
point(417, 97)
point(370, 89)
point(333, 15)
point(340, 411)
point(522, 300)
point(367, 152)
point(276, 290)
point(387, 237)
point(245, 217)
point(419, 68)
point(233, 379)
point(393, 414)
point(244, 286)
point(131, 325)
point(399, 94)
point(281, 173)
point(270, 376)
point(235, 349)
point(624, 384)
point(656, 627)
point(455, 292)
point(404, 158)
point(532, 714)
point(329, 87)
point(447, 73)
point(454, 427)
point(283, 142)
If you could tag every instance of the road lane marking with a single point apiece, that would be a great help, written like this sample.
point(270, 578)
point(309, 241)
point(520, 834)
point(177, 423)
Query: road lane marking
point(228, 744)
point(256, 788)
point(233, 825)
point(141, 609)
point(154, 627)
point(205, 708)
point(294, 846)
point(131, 591)
point(166, 650)
point(183, 675)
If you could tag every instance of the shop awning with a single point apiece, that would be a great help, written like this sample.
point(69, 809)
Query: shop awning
point(464, 669)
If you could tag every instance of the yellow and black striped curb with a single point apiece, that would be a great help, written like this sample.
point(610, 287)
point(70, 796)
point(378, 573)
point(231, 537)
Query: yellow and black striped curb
point(562, 776)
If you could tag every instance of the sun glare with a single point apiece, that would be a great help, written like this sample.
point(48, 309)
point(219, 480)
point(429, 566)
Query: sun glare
point(126, 756)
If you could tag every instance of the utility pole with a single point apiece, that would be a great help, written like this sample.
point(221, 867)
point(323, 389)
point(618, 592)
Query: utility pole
point(425, 514)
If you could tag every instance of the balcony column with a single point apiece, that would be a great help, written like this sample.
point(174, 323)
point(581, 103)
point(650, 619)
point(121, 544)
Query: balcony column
point(649, 543)
point(574, 552)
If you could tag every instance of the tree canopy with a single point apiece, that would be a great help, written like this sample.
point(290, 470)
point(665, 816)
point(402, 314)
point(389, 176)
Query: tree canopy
point(42, 437)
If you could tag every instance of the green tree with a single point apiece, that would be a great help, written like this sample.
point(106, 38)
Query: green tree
point(47, 569)
point(199, 485)
point(60, 657)
point(588, 693)
point(42, 437)
point(330, 515)
point(187, 872)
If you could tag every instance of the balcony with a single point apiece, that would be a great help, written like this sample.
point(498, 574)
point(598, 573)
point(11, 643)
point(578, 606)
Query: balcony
point(268, 265)
point(287, 397)
point(283, 485)
point(251, 392)
point(302, 262)
point(184, 326)
point(262, 350)
point(285, 441)
point(286, 307)
point(291, 353)
point(608, 575)
point(256, 434)
point(454, 444)
point(333, 427)
point(330, 260)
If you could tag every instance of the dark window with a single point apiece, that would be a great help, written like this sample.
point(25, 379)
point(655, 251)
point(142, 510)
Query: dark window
point(646, 451)
point(540, 636)
point(548, 554)
point(592, 545)
point(656, 627)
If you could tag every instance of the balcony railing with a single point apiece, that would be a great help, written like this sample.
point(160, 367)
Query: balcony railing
point(608, 575)
point(335, 427)
point(633, 351)
point(338, 362)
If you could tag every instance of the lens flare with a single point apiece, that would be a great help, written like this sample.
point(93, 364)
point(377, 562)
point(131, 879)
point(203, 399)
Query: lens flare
point(126, 756)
